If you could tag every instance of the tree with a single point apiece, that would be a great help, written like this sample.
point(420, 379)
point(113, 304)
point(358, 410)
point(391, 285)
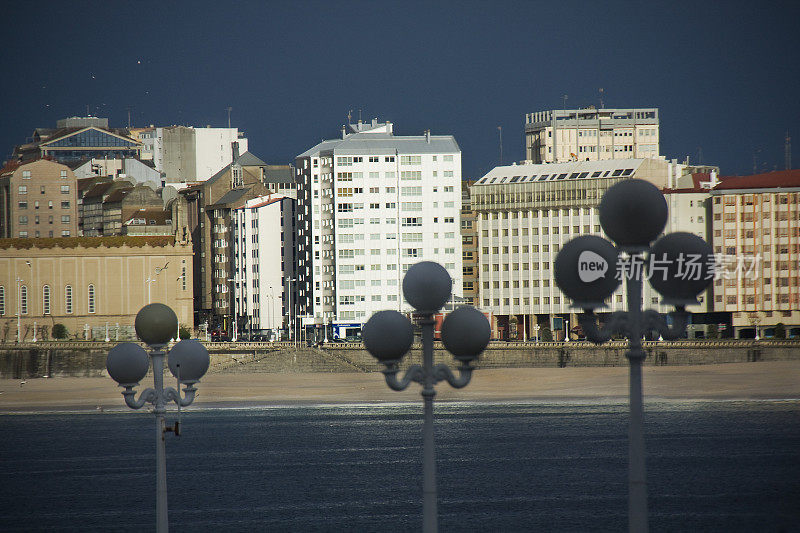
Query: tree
point(713, 331)
point(184, 333)
point(545, 335)
point(60, 331)
point(780, 331)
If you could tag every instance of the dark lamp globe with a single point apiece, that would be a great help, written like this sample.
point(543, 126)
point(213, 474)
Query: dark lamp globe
point(156, 324)
point(465, 333)
point(680, 266)
point(427, 286)
point(388, 335)
point(188, 360)
point(127, 363)
point(586, 270)
point(633, 213)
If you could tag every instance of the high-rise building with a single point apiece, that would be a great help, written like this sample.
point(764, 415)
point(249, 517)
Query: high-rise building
point(371, 205)
point(756, 224)
point(264, 260)
point(591, 134)
point(525, 214)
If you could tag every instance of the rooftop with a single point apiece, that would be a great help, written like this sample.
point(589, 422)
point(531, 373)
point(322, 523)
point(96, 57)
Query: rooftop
point(768, 180)
point(377, 138)
point(529, 172)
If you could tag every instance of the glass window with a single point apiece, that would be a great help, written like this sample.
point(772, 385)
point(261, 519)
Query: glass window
point(46, 299)
point(2, 300)
point(68, 299)
point(91, 299)
point(23, 298)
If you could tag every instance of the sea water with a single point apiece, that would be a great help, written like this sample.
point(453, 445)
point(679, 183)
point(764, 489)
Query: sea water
point(712, 466)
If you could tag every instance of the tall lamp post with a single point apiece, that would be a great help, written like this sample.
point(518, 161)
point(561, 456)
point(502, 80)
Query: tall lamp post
point(127, 364)
point(588, 269)
point(388, 335)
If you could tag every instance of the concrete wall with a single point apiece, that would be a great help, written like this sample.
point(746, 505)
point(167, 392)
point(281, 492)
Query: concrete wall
point(88, 359)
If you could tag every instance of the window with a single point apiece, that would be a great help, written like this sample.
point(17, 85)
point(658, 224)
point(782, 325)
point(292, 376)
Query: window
point(65, 189)
point(91, 299)
point(23, 189)
point(65, 204)
point(41, 189)
point(63, 174)
point(26, 174)
point(2, 300)
point(23, 298)
point(23, 219)
point(46, 299)
point(65, 219)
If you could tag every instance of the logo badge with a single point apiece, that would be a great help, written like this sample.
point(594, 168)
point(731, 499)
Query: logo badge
point(591, 266)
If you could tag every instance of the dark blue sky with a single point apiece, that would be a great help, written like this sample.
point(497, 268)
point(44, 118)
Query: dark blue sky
point(724, 74)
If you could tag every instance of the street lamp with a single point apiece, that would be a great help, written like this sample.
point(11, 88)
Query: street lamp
point(388, 336)
point(588, 270)
point(127, 364)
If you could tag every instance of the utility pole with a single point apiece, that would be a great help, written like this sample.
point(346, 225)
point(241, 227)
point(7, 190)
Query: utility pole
point(229, 116)
point(787, 152)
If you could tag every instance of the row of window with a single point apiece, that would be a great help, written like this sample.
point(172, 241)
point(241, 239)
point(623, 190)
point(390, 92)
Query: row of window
point(46, 299)
point(23, 219)
point(26, 174)
point(23, 189)
point(23, 204)
point(37, 234)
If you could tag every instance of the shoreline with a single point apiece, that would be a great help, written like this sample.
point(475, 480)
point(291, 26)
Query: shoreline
point(761, 381)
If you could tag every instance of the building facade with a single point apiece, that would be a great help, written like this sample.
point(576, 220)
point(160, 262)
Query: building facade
point(371, 205)
point(756, 230)
point(470, 251)
point(264, 266)
point(525, 214)
point(185, 154)
point(208, 206)
point(590, 134)
point(38, 199)
point(93, 286)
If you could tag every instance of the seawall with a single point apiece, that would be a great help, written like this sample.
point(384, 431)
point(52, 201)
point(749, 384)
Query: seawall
point(88, 358)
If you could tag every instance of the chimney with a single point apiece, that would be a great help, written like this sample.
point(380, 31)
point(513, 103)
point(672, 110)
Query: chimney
point(359, 124)
point(374, 122)
point(235, 150)
point(428, 136)
point(344, 132)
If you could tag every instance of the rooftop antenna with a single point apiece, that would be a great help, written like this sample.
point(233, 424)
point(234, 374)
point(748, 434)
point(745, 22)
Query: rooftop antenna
point(699, 155)
point(129, 117)
point(601, 98)
point(350, 116)
point(87, 110)
point(229, 108)
point(359, 115)
point(500, 129)
point(787, 152)
point(564, 98)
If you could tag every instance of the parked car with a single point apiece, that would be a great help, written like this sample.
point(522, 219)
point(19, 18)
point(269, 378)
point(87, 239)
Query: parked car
point(220, 336)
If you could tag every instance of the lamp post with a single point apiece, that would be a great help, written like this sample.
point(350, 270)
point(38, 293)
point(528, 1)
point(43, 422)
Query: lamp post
point(148, 282)
point(566, 330)
point(536, 330)
point(588, 269)
point(388, 335)
point(127, 364)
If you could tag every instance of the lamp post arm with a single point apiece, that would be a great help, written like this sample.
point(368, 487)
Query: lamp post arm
point(598, 335)
point(147, 396)
point(173, 395)
point(414, 373)
point(656, 321)
point(442, 372)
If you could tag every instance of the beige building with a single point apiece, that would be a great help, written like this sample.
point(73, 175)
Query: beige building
point(756, 227)
point(591, 134)
point(469, 246)
point(525, 214)
point(92, 285)
point(38, 199)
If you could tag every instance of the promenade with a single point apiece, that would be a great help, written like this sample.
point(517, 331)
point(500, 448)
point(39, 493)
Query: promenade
point(733, 381)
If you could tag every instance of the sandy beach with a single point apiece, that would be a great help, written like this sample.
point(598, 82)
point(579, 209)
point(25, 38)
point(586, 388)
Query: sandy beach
point(763, 380)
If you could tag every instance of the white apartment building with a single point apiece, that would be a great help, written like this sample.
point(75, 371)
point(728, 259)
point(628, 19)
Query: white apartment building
point(264, 254)
point(527, 212)
point(591, 134)
point(187, 154)
point(372, 204)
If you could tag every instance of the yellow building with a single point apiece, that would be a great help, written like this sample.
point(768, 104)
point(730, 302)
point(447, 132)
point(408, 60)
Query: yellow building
point(92, 285)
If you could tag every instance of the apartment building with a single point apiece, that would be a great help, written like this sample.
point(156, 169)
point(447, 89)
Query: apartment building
point(525, 214)
point(591, 134)
point(38, 199)
point(184, 154)
point(264, 265)
point(372, 204)
point(469, 246)
point(756, 228)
